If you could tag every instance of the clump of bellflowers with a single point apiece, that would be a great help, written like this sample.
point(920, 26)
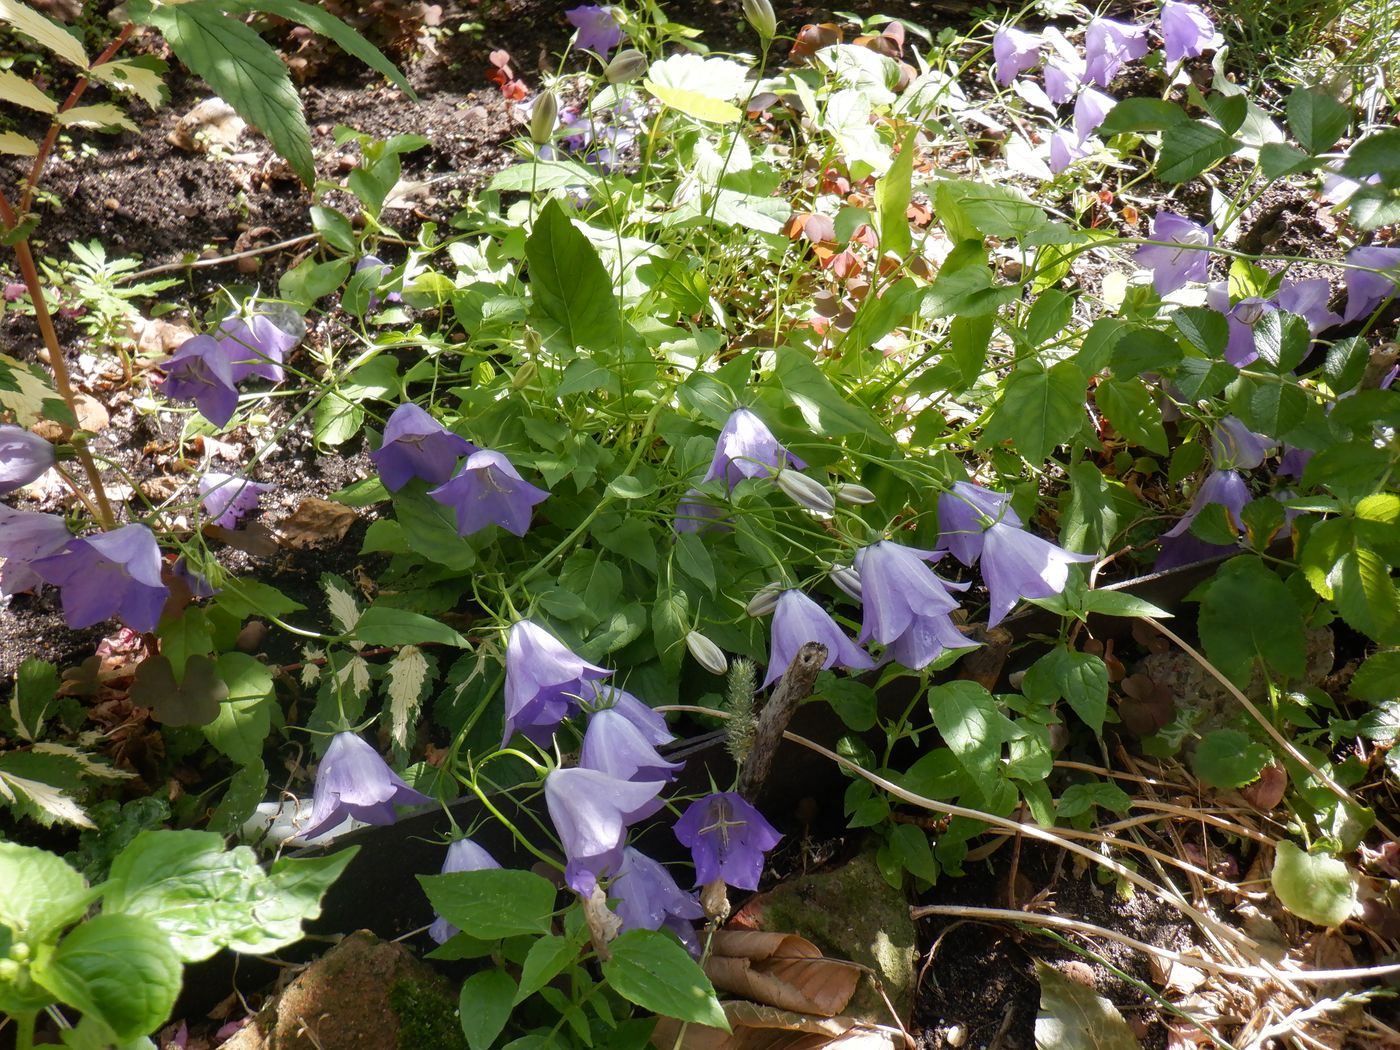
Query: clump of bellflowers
point(648, 898)
point(1234, 447)
point(106, 575)
point(591, 812)
point(250, 343)
point(907, 607)
point(353, 781)
point(798, 620)
point(614, 744)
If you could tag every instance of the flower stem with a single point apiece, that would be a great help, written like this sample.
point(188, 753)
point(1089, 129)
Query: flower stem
point(24, 1034)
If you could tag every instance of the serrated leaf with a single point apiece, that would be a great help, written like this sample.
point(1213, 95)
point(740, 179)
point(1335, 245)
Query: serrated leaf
point(1081, 679)
point(694, 104)
point(1141, 114)
point(1314, 887)
point(1040, 409)
point(43, 802)
point(101, 115)
point(569, 284)
point(142, 77)
point(1189, 149)
point(14, 88)
point(344, 610)
point(1248, 613)
point(43, 31)
point(406, 688)
point(16, 145)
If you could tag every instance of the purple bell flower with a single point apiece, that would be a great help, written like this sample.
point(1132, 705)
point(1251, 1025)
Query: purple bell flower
point(746, 448)
point(597, 27)
point(379, 264)
point(1062, 80)
point(1018, 564)
point(1015, 52)
point(543, 681)
point(1308, 299)
point(1174, 267)
point(1234, 446)
point(1091, 109)
point(1109, 46)
point(615, 745)
point(201, 371)
point(23, 457)
point(256, 344)
point(798, 620)
point(1241, 318)
point(417, 446)
point(25, 537)
point(1293, 461)
point(228, 499)
point(696, 513)
point(109, 574)
point(963, 516)
point(195, 582)
point(354, 781)
point(488, 490)
point(649, 899)
point(591, 812)
point(462, 855)
point(650, 722)
point(727, 838)
point(906, 606)
point(1179, 547)
point(1367, 290)
point(1187, 31)
point(1065, 148)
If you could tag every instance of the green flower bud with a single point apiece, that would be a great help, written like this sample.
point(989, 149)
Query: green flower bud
point(542, 118)
point(850, 492)
point(626, 65)
point(707, 654)
point(759, 14)
point(806, 492)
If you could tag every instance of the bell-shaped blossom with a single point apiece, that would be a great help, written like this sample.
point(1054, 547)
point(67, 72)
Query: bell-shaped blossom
point(1091, 108)
point(591, 812)
point(195, 582)
point(228, 499)
point(1308, 299)
point(257, 342)
point(1018, 564)
point(615, 745)
point(597, 27)
point(23, 457)
point(110, 574)
point(1224, 487)
point(462, 855)
point(964, 515)
point(417, 446)
point(798, 620)
point(1367, 289)
point(649, 899)
point(544, 681)
point(488, 490)
point(25, 537)
point(1241, 317)
point(201, 371)
point(746, 448)
point(697, 513)
point(1062, 80)
point(1065, 148)
point(1187, 31)
point(906, 606)
point(1294, 461)
point(1183, 260)
point(650, 722)
point(728, 839)
point(1109, 46)
point(353, 781)
point(1015, 52)
point(1234, 445)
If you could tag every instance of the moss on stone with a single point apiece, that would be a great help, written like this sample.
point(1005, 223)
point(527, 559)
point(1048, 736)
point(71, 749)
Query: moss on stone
point(427, 1018)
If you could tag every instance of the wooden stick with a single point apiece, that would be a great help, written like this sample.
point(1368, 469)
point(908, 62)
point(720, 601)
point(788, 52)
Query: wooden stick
point(794, 687)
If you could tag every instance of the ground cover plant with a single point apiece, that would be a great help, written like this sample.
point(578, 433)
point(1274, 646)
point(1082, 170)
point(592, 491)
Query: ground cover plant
point(847, 365)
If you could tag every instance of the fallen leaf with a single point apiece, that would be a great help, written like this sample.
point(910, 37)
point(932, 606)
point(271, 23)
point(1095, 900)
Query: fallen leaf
point(1072, 1017)
point(315, 523)
point(257, 539)
point(192, 702)
point(212, 122)
point(781, 970)
point(756, 1027)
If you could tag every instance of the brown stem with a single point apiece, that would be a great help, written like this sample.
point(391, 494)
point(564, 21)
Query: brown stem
point(794, 687)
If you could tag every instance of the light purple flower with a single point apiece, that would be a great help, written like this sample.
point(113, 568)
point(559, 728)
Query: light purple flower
point(1233, 445)
point(1241, 319)
point(417, 446)
point(544, 681)
point(1179, 547)
point(1108, 46)
point(488, 490)
point(109, 574)
point(597, 27)
point(256, 343)
point(202, 371)
point(23, 457)
point(1308, 299)
point(746, 448)
point(727, 838)
point(1187, 31)
point(1062, 80)
point(1091, 108)
point(1017, 564)
point(195, 582)
point(798, 620)
point(462, 855)
point(697, 513)
point(1065, 148)
point(964, 515)
point(25, 537)
point(383, 269)
point(228, 499)
point(591, 812)
point(649, 899)
point(1015, 52)
point(354, 781)
point(1367, 290)
point(1183, 259)
point(1293, 461)
point(615, 745)
point(650, 722)
point(906, 606)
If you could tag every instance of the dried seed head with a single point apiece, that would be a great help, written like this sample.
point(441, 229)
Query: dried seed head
point(738, 702)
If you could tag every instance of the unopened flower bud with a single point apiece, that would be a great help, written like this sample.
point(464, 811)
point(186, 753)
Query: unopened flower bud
point(850, 492)
point(626, 65)
point(846, 577)
point(707, 654)
point(9, 970)
point(806, 492)
point(759, 14)
point(765, 601)
point(542, 117)
point(524, 375)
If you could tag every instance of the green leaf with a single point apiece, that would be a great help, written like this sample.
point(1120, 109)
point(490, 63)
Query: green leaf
point(1270, 406)
point(1316, 119)
point(823, 407)
point(544, 961)
point(1133, 412)
point(852, 700)
point(1248, 613)
point(1279, 159)
point(54, 894)
point(693, 557)
point(1378, 679)
point(336, 419)
point(1049, 314)
point(1079, 799)
point(1040, 409)
point(670, 623)
point(245, 717)
point(909, 845)
point(1366, 595)
point(1315, 887)
point(491, 904)
point(992, 210)
point(15, 89)
point(654, 972)
point(36, 687)
point(1081, 679)
point(485, 1006)
point(1282, 340)
point(569, 284)
point(244, 71)
point(430, 528)
point(892, 195)
point(694, 104)
point(1072, 1017)
point(1141, 114)
point(385, 625)
point(44, 31)
point(1189, 149)
point(246, 789)
point(118, 969)
point(334, 228)
point(972, 725)
point(1227, 759)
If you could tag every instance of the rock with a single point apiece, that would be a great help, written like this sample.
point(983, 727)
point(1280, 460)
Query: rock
point(850, 913)
point(211, 123)
point(363, 994)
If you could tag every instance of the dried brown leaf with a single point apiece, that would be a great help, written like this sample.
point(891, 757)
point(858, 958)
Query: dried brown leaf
point(315, 523)
point(781, 970)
